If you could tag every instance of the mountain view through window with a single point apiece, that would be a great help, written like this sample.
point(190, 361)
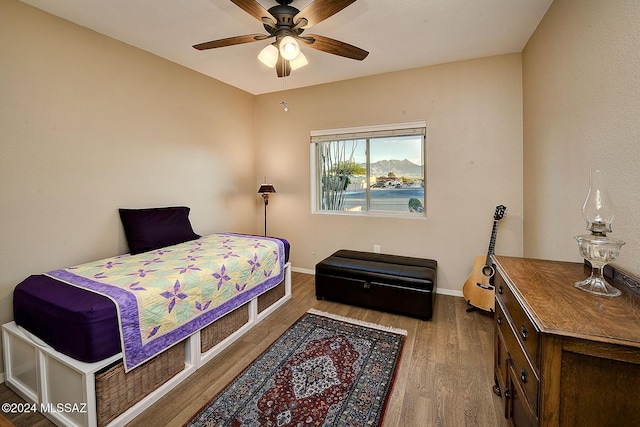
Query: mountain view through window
point(377, 173)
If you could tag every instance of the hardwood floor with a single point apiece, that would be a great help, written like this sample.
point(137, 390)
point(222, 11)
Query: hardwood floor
point(444, 377)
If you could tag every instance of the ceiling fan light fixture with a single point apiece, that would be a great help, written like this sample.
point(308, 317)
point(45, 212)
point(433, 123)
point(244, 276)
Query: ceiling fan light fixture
point(286, 23)
point(298, 62)
point(269, 56)
point(289, 48)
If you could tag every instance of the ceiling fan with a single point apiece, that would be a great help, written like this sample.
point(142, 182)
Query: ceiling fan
point(286, 24)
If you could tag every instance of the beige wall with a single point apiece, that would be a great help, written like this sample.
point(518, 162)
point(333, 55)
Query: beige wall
point(473, 111)
point(89, 124)
point(581, 86)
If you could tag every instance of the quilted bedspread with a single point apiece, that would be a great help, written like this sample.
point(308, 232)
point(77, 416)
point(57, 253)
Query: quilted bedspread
point(165, 295)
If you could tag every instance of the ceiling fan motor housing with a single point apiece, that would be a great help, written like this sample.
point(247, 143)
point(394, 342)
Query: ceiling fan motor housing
point(284, 15)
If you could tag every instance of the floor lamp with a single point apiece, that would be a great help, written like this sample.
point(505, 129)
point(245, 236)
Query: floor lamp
point(265, 190)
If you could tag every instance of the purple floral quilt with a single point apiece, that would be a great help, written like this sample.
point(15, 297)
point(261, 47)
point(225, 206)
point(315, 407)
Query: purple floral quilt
point(163, 296)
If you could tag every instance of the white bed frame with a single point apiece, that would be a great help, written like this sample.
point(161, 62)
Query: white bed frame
point(49, 380)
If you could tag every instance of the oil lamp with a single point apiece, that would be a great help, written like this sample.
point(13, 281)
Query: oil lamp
point(598, 248)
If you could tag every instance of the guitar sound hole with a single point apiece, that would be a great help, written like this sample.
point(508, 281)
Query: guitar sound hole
point(488, 271)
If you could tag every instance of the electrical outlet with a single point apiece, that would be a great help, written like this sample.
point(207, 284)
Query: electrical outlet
point(376, 249)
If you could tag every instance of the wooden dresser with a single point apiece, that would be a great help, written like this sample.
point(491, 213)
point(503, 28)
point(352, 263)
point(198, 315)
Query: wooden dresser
point(564, 357)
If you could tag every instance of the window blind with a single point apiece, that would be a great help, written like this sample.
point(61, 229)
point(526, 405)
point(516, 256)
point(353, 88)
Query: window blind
point(365, 132)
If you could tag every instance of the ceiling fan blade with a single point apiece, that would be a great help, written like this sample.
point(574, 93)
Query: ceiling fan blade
point(253, 8)
point(335, 47)
point(320, 10)
point(282, 67)
point(230, 41)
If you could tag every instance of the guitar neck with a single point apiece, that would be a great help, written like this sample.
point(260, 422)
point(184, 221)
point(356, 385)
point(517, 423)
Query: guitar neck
point(492, 242)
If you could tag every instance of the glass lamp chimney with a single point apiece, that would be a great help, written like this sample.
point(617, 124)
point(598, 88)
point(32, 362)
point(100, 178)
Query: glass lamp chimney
point(597, 210)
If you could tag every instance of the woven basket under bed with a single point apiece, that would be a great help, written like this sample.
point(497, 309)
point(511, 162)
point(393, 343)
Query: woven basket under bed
point(116, 391)
point(231, 322)
point(223, 327)
point(271, 296)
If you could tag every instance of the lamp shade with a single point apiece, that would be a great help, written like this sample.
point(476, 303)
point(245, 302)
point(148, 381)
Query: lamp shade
point(269, 56)
point(298, 62)
point(289, 48)
point(266, 188)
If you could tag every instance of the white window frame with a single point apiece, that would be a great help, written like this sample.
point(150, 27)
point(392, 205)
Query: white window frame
point(364, 132)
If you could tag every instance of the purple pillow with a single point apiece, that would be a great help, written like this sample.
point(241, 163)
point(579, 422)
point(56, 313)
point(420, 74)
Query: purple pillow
point(154, 228)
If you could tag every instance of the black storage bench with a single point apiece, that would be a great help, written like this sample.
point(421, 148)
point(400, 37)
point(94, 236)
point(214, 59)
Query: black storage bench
point(391, 283)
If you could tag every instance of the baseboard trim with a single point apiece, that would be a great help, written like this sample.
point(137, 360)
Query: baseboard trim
point(450, 292)
point(303, 270)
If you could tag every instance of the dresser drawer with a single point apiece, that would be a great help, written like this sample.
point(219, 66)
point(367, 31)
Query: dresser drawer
point(526, 333)
point(501, 353)
point(519, 412)
point(522, 372)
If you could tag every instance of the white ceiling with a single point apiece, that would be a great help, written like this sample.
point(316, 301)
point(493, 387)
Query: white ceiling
point(399, 34)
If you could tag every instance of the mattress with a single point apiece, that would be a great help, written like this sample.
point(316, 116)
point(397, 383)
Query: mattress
point(73, 321)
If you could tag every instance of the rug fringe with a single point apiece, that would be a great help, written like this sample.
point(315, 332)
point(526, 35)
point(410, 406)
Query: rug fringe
point(359, 322)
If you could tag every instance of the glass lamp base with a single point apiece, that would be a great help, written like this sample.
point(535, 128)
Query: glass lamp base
point(599, 250)
point(598, 286)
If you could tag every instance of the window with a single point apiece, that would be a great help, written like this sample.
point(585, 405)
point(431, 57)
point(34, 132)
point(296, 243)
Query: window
point(376, 170)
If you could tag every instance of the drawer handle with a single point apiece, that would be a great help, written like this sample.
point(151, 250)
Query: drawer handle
point(507, 392)
point(367, 285)
point(500, 290)
point(499, 319)
point(496, 390)
point(524, 332)
point(523, 375)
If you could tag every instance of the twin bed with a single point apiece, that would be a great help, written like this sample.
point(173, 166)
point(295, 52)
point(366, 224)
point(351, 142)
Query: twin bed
point(110, 337)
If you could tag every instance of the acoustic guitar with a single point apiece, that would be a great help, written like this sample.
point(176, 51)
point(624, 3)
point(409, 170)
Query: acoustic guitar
point(477, 289)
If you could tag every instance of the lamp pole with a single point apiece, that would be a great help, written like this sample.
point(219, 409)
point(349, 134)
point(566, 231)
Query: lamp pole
point(265, 196)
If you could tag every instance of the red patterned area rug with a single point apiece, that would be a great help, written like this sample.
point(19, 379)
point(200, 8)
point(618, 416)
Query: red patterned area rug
point(325, 370)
